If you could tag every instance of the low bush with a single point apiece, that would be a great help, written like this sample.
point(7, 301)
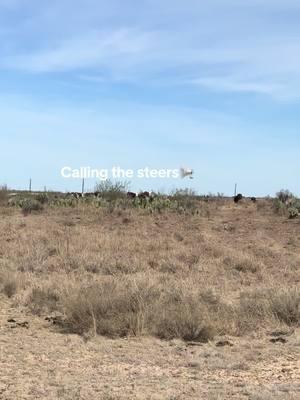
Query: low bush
point(115, 308)
point(186, 199)
point(285, 305)
point(42, 198)
point(286, 203)
point(185, 316)
point(111, 307)
point(259, 306)
point(29, 205)
point(109, 190)
point(43, 300)
point(293, 212)
point(9, 283)
point(279, 207)
point(284, 195)
point(3, 195)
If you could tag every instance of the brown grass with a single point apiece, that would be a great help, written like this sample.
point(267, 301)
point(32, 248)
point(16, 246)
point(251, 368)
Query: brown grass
point(175, 280)
point(3, 195)
point(8, 283)
point(148, 275)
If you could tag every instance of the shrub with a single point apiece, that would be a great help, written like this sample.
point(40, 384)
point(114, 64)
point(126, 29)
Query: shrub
point(285, 305)
point(111, 190)
point(186, 198)
point(3, 194)
point(177, 193)
point(286, 204)
point(8, 284)
point(184, 316)
point(242, 264)
point(111, 307)
point(252, 310)
point(293, 212)
point(42, 198)
point(260, 305)
point(294, 209)
point(43, 300)
point(29, 205)
point(279, 207)
point(284, 195)
point(246, 265)
point(117, 308)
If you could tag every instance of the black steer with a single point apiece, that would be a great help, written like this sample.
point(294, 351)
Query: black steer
point(238, 198)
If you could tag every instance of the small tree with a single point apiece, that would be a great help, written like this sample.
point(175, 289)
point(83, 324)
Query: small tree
point(111, 190)
point(284, 195)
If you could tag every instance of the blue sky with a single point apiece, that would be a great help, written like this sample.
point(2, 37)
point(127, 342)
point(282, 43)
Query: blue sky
point(210, 85)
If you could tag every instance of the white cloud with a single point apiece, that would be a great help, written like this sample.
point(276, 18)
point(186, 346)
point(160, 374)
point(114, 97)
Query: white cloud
point(90, 50)
point(229, 46)
point(231, 85)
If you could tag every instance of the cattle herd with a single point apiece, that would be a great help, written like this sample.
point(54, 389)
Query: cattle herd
point(129, 195)
point(239, 197)
point(141, 196)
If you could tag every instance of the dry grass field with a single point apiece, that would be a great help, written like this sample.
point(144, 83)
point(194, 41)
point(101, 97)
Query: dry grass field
point(101, 303)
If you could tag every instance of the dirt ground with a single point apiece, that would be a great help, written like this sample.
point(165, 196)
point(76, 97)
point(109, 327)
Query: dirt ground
point(230, 248)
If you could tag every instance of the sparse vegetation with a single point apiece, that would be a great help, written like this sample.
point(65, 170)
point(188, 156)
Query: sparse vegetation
point(110, 191)
point(262, 305)
point(115, 307)
point(29, 205)
point(43, 300)
point(42, 198)
point(284, 196)
point(193, 287)
point(287, 204)
point(3, 195)
point(8, 283)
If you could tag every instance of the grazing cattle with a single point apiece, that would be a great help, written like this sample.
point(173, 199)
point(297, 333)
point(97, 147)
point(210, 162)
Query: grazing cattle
point(144, 195)
point(238, 198)
point(131, 195)
point(89, 194)
point(75, 195)
point(253, 199)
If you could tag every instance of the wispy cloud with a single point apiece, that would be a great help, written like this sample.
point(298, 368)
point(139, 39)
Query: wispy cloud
point(226, 46)
point(90, 50)
point(170, 81)
point(230, 84)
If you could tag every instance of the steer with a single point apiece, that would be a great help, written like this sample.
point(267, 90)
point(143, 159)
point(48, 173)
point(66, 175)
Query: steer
point(144, 195)
point(237, 198)
point(131, 195)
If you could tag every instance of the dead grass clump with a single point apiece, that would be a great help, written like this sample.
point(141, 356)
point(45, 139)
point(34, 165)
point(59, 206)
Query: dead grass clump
point(246, 265)
point(92, 268)
point(259, 306)
point(183, 316)
point(118, 307)
point(119, 268)
point(252, 310)
point(285, 305)
point(279, 207)
point(189, 313)
point(186, 199)
point(242, 264)
point(9, 284)
point(112, 307)
point(30, 205)
point(43, 300)
point(3, 195)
